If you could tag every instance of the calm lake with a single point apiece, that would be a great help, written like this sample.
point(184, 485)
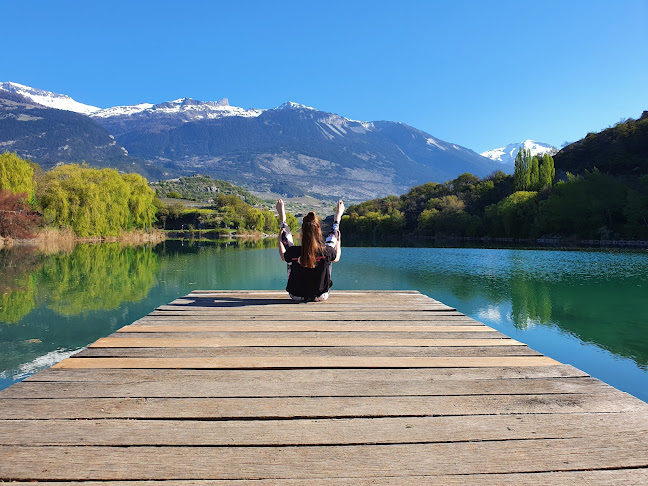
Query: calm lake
point(585, 308)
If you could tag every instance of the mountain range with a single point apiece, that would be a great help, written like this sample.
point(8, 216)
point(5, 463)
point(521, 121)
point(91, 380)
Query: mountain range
point(291, 148)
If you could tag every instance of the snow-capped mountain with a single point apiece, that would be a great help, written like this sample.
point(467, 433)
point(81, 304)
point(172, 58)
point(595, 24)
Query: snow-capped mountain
point(185, 108)
point(293, 144)
point(506, 155)
point(49, 99)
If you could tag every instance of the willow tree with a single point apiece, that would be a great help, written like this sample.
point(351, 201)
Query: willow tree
point(141, 202)
point(16, 175)
point(96, 202)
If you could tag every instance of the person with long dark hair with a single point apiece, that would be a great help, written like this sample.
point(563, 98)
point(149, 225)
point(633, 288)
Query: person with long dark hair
point(309, 265)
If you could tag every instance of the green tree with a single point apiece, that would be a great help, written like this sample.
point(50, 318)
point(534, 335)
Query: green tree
point(521, 175)
point(96, 202)
point(16, 175)
point(547, 172)
point(516, 214)
point(141, 202)
point(534, 174)
point(254, 220)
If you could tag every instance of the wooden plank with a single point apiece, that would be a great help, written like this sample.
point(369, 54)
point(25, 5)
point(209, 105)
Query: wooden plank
point(293, 307)
point(246, 387)
point(261, 315)
point(606, 401)
point(80, 463)
point(599, 477)
point(310, 362)
point(358, 431)
point(172, 342)
point(366, 351)
point(299, 377)
point(276, 321)
point(271, 336)
point(275, 326)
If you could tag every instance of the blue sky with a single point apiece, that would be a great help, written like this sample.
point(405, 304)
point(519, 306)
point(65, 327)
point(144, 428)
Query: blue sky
point(477, 73)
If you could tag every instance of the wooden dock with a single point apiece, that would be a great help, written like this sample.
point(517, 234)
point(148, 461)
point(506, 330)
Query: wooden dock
point(375, 388)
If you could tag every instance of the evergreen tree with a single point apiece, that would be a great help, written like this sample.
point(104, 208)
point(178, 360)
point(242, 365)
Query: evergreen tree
point(534, 174)
point(521, 176)
point(547, 171)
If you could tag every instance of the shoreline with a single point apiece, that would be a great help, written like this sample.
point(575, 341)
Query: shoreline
point(52, 239)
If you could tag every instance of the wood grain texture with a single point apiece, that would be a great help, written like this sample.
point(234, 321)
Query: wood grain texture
point(626, 477)
point(604, 402)
point(311, 362)
point(387, 387)
point(240, 385)
point(275, 326)
point(137, 463)
point(356, 431)
point(302, 377)
point(278, 341)
point(366, 351)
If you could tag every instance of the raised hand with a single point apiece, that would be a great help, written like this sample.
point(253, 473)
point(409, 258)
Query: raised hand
point(339, 210)
point(281, 210)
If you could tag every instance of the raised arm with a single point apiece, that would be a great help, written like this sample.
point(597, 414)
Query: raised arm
point(336, 219)
point(281, 211)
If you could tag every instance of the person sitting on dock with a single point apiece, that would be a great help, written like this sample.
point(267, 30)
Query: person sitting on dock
point(309, 265)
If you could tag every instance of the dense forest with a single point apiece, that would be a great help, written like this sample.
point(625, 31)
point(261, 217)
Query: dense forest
point(605, 198)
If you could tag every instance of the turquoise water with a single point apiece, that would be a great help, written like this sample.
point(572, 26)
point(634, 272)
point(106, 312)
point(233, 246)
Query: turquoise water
point(585, 308)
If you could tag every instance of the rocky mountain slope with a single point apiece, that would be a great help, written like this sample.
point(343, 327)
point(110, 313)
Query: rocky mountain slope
point(291, 145)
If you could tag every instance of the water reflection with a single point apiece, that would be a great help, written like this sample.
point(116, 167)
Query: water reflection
point(18, 283)
point(94, 277)
point(597, 297)
point(581, 307)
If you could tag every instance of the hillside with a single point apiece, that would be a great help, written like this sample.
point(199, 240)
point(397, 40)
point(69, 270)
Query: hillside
point(49, 136)
point(619, 150)
point(200, 188)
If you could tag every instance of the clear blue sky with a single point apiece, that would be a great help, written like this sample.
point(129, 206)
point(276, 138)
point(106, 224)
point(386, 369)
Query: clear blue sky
point(477, 73)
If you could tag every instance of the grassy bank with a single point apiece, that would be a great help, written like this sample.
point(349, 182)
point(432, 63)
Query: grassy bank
point(51, 240)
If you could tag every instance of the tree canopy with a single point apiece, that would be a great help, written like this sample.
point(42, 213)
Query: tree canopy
point(96, 202)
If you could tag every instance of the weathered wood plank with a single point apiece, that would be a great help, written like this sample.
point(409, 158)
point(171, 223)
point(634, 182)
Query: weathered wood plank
point(310, 362)
point(600, 477)
point(275, 326)
point(606, 401)
point(453, 320)
point(79, 463)
point(468, 351)
point(300, 377)
point(208, 342)
point(293, 307)
point(241, 386)
point(260, 315)
point(347, 336)
point(357, 431)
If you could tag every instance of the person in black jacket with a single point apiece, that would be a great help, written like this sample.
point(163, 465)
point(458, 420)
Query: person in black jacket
point(309, 265)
